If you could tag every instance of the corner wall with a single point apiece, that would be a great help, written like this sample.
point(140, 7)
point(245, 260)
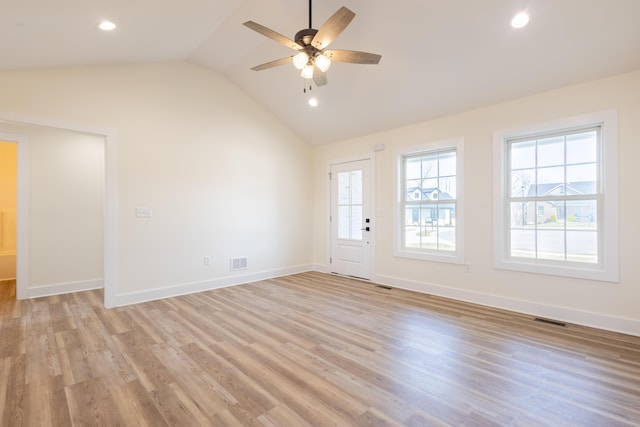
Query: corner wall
point(600, 304)
point(222, 177)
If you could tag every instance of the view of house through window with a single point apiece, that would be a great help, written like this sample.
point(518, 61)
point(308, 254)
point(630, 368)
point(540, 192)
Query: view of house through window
point(554, 196)
point(429, 201)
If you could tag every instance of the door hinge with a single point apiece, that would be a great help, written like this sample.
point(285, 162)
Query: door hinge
point(329, 176)
point(330, 260)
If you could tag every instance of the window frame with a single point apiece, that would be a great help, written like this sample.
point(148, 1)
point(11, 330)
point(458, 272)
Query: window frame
point(607, 267)
point(456, 256)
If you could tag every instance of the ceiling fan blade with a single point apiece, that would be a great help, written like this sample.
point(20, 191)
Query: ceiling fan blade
point(319, 77)
point(352, 56)
point(272, 35)
point(332, 28)
point(272, 64)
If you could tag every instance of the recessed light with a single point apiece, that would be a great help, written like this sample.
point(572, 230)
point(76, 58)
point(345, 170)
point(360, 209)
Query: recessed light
point(520, 20)
point(313, 102)
point(107, 26)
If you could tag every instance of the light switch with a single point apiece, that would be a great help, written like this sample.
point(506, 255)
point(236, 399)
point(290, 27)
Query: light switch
point(144, 212)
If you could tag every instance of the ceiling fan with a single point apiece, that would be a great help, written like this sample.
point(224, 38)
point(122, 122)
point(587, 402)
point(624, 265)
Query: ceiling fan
point(313, 59)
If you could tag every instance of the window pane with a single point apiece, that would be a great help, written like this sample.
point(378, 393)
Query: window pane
point(523, 243)
point(413, 168)
point(412, 220)
point(412, 237)
point(553, 211)
point(582, 147)
point(522, 182)
point(446, 227)
point(411, 215)
point(582, 246)
point(550, 244)
point(551, 151)
point(523, 155)
point(446, 215)
point(447, 187)
point(428, 185)
point(520, 214)
point(343, 222)
point(550, 181)
point(356, 187)
point(583, 179)
point(343, 188)
point(429, 166)
point(414, 190)
point(447, 238)
point(447, 164)
point(582, 214)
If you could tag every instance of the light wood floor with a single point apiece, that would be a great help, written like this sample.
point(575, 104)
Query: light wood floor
point(306, 350)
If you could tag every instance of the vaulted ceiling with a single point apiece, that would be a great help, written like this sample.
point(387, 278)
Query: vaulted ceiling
point(439, 57)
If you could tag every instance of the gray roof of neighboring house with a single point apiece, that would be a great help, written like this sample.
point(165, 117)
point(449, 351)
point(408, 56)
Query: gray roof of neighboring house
point(573, 188)
point(426, 192)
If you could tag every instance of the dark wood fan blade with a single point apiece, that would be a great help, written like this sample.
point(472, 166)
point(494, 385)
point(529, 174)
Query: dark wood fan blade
point(352, 56)
point(332, 28)
point(272, 35)
point(319, 78)
point(272, 64)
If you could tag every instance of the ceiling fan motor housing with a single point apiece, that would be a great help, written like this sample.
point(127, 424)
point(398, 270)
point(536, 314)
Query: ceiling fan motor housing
point(304, 37)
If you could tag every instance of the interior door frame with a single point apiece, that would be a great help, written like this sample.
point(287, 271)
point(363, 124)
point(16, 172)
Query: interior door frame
point(22, 205)
point(110, 224)
point(372, 186)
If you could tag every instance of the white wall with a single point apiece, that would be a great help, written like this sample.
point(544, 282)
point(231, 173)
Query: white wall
point(612, 306)
point(223, 177)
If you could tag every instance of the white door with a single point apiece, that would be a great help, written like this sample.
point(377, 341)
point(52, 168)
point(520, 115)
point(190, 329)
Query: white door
point(351, 222)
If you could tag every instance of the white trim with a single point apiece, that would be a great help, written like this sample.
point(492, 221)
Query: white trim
point(110, 201)
point(64, 288)
point(371, 157)
point(457, 257)
point(208, 285)
point(564, 314)
point(609, 272)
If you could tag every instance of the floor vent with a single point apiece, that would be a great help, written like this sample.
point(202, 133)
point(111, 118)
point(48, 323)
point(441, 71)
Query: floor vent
point(238, 264)
point(551, 322)
point(384, 287)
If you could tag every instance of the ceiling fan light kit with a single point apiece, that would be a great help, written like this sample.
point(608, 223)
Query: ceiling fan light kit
point(300, 60)
point(307, 72)
point(312, 59)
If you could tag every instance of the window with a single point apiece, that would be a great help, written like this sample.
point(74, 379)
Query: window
point(551, 198)
point(429, 217)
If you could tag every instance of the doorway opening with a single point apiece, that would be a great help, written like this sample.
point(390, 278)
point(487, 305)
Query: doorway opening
point(8, 209)
point(108, 262)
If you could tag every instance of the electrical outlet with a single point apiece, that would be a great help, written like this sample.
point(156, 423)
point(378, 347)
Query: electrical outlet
point(207, 260)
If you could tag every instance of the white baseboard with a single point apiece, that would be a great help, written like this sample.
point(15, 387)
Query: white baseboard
point(208, 285)
point(320, 268)
point(64, 288)
point(564, 314)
